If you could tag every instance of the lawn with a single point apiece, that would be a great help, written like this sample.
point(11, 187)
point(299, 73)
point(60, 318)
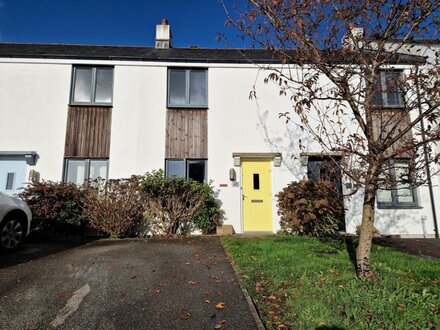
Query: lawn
point(302, 283)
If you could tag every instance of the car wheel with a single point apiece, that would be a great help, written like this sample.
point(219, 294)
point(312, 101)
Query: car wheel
point(11, 234)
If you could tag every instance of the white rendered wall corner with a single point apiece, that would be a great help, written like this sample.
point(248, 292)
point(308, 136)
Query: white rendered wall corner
point(33, 110)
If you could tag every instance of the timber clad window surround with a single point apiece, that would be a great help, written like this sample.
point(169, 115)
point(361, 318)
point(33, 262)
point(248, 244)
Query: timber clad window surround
point(187, 88)
point(88, 132)
point(92, 85)
point(400, 193)
point(194, 169)
point(387, 93)
point(186, 134)
point(79, 170)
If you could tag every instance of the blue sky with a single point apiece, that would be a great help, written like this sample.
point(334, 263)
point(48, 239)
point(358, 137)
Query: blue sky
point(112, 22)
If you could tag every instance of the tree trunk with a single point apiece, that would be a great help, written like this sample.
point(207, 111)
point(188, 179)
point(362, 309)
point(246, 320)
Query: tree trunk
point(363, 263)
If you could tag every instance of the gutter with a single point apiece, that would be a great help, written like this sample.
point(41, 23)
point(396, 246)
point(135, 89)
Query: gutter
point(425, 152)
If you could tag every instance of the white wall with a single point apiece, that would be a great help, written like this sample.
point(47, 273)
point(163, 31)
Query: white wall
point(33, 113)
point(138, 120)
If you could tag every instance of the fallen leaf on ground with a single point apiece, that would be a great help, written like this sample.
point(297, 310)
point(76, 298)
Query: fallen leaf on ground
point(220, 305)
point(207, 301)
point(185, 315)
point(192, 282)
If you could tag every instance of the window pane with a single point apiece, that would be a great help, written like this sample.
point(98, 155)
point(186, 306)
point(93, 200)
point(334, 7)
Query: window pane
point(75, 171)
point(175, 167)
point(98, 169)
point(394, 95)
point(384, 196)
point(256, 181)
point(197, 92)
point(104, 85)
point(403, 185)
point(10, 181)
point(177, 87)
point(196, 170)
point(377, 94)
point(83, 85)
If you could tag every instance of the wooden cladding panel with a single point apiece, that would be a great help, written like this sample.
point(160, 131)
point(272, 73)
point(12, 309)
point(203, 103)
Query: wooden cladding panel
point(88, 132)
point(385, 120)
point(186, 133)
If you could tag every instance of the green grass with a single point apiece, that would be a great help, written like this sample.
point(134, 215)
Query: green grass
point(302, 283)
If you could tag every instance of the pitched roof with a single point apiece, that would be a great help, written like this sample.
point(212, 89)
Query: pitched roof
point(189, 55)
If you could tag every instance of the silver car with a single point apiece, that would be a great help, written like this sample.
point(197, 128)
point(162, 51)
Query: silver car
point(15, 222)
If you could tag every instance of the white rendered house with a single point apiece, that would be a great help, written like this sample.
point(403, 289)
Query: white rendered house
point(72, 112)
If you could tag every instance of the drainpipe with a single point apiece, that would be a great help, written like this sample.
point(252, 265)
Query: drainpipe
point(425, 151)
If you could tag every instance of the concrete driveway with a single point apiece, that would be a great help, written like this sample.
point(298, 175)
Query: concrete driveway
point(123, 284)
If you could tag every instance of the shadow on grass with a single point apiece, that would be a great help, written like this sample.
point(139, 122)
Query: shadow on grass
point(351, 245)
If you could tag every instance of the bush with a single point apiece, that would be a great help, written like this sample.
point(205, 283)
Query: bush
point(115, 207)
point(311, 208)
point(55, 206)
point(176, 206)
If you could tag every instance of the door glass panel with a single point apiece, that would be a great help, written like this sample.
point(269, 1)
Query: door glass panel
point(197, 92)
point(196, 170)
point(256, 181)
point(10, 181)
point(175, 167)
point(76, 171)
point(177, 87)
point(104, 85)
point(98, 169)
point(83, 85)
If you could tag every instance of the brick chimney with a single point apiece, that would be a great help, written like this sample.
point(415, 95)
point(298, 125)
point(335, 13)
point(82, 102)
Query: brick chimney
point(163, 35)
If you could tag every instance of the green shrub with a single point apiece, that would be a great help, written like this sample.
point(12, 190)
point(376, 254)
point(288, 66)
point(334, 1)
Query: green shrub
point(311, 208)
point(115, 207)
point(56, 207)
point(176, 206)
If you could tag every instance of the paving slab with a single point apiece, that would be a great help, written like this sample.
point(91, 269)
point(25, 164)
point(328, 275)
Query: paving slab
point(125, 284)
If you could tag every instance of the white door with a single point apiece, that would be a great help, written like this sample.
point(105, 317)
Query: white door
point(12, 176)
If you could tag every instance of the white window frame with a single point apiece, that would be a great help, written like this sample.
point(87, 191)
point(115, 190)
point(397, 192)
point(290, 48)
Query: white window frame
point(187, 88)
point(93, 85)
point(87, 167)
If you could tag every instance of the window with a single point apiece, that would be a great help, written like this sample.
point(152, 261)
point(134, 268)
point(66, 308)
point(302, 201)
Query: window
point(78, 170)
point(187, 88)
point(321, 168)
point(10, 181)
point(194, 169)
point(387, 91)
point(400, 192)
point(92, 85)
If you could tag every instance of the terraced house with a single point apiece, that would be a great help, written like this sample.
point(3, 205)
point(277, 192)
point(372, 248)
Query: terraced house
point(74, 112)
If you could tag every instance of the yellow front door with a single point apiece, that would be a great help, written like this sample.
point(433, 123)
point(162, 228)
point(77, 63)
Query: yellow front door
point(257, 195)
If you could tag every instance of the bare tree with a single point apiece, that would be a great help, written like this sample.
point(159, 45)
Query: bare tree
point(352, 88)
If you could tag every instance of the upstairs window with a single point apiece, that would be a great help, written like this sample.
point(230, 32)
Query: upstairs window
point(399, 193)
point(92, 85)
point(387, 89)
point(194, 169)
point(187, 88)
